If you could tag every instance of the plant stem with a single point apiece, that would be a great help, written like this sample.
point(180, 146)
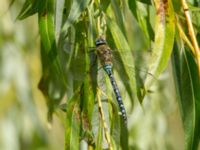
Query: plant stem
point(184, 37)
point(107, 135)
point(191, 33)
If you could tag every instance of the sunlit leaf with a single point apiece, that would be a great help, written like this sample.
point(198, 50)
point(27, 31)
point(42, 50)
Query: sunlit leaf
point(104, 4)
point(87, 105)
point(164, 40)
point(177, 5)
point(99, 137)
point(59, 17)
point(73, 121)
point(188, 86)
point(118, 15)
point(75, 11)
point(133, 7)
point(52, 82)
point(117, 125)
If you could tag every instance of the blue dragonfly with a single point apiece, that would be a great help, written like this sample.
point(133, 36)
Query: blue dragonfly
point(105, 55)
point(108, 58)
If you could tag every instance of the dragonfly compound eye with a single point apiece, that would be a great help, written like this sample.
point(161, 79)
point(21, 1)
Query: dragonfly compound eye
point(100, 41)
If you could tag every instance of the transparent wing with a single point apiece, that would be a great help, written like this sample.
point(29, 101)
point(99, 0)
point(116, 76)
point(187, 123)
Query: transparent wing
point(135, 61)
point(132, 68)
point(138, 65)
point(129, 66)
point(77, 61)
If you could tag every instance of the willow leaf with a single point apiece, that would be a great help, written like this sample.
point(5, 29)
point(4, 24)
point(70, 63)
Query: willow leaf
point(78, 6)
point(52, 72)
point(121, 43)
point(73, 122)
point(59, 16)
point(188, 87)
point(164, 39)
point(48, 40)
point(118, 15)
point(99, 139)
point(87, 104)
point(31, 7)
point(116, 127)
point(133, 7)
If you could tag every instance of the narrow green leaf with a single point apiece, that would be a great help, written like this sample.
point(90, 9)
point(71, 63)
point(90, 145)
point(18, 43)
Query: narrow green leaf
point(73, 122)
point(73, 56)
point(118, 14)
point(47, 33)
point(145, 17)
point(164, 40)
point(139, 27)
point(78, 6)
point(46, 27)
point(133, 7)
point(31, 7)
point(115, 127)
point(196, 21)
point(99, 138)
point(124, 136)
point(79, 60)
point(188, 87)
point(87, 104)
point(122, 44)
point(142, 16)
point(91, 27)
point(88, 95)
point(52, 83)
point(104, 4)
point(59, 17)
point(97, 126)
point(177, 6)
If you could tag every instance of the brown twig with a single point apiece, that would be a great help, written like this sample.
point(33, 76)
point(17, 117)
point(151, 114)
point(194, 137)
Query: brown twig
point(184, 37)
point(107, 135)
point(191, 33)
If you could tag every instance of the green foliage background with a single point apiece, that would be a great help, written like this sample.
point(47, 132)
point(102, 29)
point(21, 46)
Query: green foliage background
point(49, 51)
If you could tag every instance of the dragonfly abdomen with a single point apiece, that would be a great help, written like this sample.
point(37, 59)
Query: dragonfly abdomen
point(108, 69)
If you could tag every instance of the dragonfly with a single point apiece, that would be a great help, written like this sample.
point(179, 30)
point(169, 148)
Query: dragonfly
point(104, 53)
point(109, 60)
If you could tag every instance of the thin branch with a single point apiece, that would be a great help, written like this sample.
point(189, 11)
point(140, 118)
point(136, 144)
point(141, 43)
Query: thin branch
point(191, 33)
point(184, 37)
point(107, 135)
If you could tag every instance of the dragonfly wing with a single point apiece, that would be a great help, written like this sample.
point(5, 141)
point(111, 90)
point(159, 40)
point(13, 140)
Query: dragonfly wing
point(137, 69)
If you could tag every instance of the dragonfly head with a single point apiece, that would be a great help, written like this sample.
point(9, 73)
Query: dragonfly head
point(100, 41)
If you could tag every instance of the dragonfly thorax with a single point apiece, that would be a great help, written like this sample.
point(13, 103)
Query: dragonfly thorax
point(105, 54)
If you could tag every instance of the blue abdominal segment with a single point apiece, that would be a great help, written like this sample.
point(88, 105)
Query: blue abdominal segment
point(108, 69)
